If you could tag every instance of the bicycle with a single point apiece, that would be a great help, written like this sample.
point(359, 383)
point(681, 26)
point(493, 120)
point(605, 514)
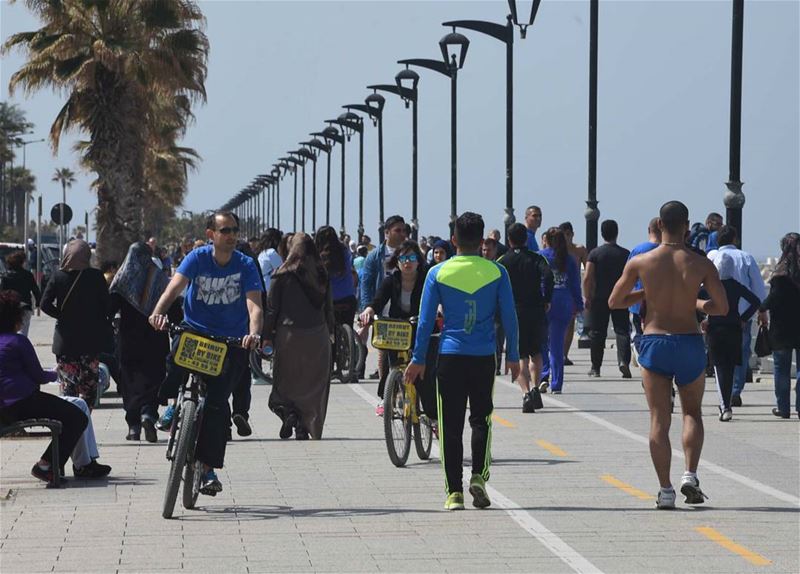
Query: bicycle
point(202, 356)
point(346, 350)
point(402, 412)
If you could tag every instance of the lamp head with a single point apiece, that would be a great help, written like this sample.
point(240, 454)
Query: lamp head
point(408, 79)
point(454, 49)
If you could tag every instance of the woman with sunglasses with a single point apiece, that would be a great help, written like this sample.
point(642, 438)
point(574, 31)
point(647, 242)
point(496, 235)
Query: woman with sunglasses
point(402, 290)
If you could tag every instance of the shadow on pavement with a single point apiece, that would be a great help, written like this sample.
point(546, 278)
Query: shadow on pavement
point(270, 512)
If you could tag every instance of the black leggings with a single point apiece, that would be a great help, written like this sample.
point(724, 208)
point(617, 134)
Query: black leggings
point(462, 377)
point(46, 406)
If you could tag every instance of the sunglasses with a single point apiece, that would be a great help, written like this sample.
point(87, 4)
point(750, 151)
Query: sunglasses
point(228, 230)
point(412, 258)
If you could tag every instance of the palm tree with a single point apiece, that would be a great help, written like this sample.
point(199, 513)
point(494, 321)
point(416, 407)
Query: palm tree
point(113, 58)
point(66, 177)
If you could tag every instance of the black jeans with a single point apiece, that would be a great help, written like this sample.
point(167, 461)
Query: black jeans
point(212, 440)
point(461, 378)
point(598, 328)
point(46, 406)
point(242, 394)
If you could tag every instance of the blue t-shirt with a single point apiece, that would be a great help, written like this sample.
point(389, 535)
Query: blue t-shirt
point(712, 244)
point(342, 284)
point(532, 244)
point(638, 250)
point(216, 301)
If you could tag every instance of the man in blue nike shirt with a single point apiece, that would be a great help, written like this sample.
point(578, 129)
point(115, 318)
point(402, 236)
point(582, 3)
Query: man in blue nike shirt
point(470, 290)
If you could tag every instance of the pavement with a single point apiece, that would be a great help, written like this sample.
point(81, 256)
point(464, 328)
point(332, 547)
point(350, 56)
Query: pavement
point(572, 490)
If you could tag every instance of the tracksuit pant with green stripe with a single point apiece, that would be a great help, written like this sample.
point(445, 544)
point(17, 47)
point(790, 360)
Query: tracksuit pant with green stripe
point(461, 378)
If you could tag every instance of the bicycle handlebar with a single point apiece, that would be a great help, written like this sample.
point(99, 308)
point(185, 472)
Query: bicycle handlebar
point(178, 329)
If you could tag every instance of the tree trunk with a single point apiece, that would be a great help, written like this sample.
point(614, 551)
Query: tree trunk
point(116, 154)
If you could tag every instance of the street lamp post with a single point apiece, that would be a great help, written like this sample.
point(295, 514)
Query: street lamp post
point(331, 136)
point(734, 198)
point(27, 199)
point(301, 156)
point(504, 33)
point(350, 124)
point(311, 156)
point(295, 162)
point(373, 107)
point(316, 147)
point(454, 51)
point(592, 214)
point(409, 95)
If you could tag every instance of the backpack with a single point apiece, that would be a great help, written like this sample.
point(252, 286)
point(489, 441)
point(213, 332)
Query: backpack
point(698, 236)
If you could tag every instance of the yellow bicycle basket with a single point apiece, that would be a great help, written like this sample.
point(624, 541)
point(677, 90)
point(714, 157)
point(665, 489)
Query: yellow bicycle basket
point(200, 355)
point(392, 334)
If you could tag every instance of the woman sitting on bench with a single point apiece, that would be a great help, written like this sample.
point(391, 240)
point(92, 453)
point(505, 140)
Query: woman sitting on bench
point(21, 374)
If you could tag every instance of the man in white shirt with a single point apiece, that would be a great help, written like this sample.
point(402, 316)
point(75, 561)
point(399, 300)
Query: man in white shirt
point(748, 274)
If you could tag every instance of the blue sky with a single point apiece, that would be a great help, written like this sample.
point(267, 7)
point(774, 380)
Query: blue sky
point(277, 70)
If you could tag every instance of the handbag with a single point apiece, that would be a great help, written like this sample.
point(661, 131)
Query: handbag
point(762, 346)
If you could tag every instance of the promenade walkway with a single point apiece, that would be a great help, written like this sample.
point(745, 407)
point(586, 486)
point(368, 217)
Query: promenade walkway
point(572, 491)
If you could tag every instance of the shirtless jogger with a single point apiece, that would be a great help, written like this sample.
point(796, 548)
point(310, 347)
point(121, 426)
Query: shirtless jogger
point(672, 346)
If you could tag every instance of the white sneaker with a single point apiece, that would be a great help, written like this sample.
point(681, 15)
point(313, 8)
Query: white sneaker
point(665, 499)
point(690, 488)
point(726, 415)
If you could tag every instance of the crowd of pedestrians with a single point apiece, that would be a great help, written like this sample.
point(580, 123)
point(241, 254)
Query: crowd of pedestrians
point(688, 294)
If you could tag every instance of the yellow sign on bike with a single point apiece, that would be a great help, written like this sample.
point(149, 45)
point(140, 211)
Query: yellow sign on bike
point(201, 355)
point(392, 335)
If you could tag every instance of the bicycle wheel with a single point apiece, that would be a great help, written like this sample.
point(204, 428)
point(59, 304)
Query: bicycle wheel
point(423, 434)
point(193, 472)
point(261, 365)
point(184, 433)
point(396, 425)
point(346, 353)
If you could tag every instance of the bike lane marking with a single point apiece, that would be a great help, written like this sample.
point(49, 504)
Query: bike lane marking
point(566, 553)
point(728, 544)
point(715, 468)
point(551, 448)
point(625, 487)
point(503, 422)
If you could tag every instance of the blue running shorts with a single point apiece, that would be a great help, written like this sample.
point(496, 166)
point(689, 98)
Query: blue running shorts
point(680, 356)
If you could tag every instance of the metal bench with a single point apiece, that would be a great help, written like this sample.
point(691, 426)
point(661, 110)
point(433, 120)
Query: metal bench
point(55, 430)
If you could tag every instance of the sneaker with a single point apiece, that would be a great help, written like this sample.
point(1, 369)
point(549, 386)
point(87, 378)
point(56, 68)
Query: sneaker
point(165, 422)
point(210, 484)
point(455, 501)
point(477, 488)
point(243, 427)
point(736, 400)
point(375, 375)
point(567, 362)
point(626, 371)
point(556, 391)
point(594, 373)
point(543, 386)
point(301, 434)
point(690, 488)
point(379, 410)
point(726, 415)
point(134, 433)
point(91, 470)
point(149, 428)
point(665, 500)
point(47, 475)
point(527, 403)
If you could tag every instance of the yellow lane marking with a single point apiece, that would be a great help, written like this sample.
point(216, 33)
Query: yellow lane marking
point(503, 422)
point(551, 448)
point(728, 544)
point(625, 487)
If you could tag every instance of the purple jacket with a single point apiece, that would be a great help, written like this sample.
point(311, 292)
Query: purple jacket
point(20, 370)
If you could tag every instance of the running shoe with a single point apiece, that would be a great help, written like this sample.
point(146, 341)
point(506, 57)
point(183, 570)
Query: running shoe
point(543, 386)
point(165, 422)
point(665, 499)
point(455, 501)
point(477, 488)
point(379, 410)
point(556, 391)
point(210, 484)
point(567, 362)
point(690, 488)
point(626, 371)
point(536, 396)
point(47, 475)
point(243, 427)
point(726, 415)
point(92, 470)
point(594, 373)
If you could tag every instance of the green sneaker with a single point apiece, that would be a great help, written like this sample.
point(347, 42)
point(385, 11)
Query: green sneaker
point(455, 501)
point(477, 488)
